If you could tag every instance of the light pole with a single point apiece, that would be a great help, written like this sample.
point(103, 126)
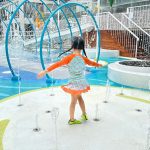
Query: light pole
point(98, 19)
point(98, 5)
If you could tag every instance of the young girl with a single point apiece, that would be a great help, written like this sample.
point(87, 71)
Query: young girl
point(77, 83)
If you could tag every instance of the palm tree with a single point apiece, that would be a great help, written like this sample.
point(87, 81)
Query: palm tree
point(111, 2)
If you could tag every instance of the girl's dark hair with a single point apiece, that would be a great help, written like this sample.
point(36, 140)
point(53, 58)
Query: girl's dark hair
point(77, 43)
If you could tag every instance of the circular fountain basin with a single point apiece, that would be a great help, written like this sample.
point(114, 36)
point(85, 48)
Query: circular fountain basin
point(131, 73)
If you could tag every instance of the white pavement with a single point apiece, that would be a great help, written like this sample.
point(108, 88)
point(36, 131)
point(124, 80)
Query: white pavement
point(120, 126)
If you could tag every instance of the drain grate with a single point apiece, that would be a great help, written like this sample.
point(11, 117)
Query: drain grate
point(48, 111)
point(138, 110)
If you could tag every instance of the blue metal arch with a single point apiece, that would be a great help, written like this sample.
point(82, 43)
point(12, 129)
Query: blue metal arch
point(15, 77)
point(40, 15)
point(8, 30)
point(47, 22)
point(7, 56)
point(27, 19)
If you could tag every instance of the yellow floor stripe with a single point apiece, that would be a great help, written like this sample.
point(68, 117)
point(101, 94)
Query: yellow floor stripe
point(23, 93)
point(30, 91)
point(34, 90)
point(134, 98)
point(3, 125)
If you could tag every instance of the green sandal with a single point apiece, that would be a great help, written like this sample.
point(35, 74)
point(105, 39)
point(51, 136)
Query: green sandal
point(84, 117)
point(71, 122)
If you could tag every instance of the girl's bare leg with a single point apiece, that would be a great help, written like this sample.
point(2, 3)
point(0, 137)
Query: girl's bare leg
point(72, 106)
point(81, 103)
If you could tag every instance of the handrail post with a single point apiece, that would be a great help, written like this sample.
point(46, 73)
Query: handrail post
point(108, 21)
point(136, 49)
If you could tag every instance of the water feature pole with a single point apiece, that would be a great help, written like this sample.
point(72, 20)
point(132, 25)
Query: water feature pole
point(97, 113)
point(148, 133)
point(149, 89)
point(52, 84)
point(36, 129)
point(18, 45)
point(107, 91)
point(54, 115)
point(122, 89)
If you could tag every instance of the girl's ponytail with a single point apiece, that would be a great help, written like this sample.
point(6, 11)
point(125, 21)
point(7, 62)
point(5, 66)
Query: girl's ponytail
point(84, 52)
point(65, 52)
point(77, 43)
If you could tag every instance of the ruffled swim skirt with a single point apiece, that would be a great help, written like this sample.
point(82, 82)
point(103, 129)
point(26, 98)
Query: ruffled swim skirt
point(76, 87)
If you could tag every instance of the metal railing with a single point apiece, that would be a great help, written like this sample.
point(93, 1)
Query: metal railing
point(140, 15)
point(144, 37)
point(108, 22)
point(127, 39)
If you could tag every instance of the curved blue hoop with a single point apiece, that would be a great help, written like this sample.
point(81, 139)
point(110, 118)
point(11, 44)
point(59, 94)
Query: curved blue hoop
point(47, 22)
point(8, 30)
point(6, 40)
